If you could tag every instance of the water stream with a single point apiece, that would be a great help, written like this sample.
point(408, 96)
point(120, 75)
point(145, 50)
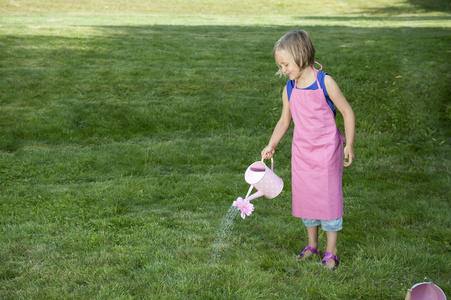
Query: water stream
point(223, 233)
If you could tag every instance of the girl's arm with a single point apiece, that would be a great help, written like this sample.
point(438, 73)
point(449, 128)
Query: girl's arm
point(281, 128)
point(346, 111)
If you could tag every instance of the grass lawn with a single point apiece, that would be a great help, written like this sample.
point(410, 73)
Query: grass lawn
point(126, 129)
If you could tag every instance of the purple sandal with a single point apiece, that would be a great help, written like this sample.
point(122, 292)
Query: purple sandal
point(313, 250)
point(328, 256)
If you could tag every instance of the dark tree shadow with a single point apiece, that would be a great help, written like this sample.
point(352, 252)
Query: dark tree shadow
point(418, 6)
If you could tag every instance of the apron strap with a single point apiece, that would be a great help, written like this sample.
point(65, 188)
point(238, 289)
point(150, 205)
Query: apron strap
point(321, 67)
point(316, 74)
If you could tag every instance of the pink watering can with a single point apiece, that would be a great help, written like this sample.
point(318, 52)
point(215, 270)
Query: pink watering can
point(264, 180)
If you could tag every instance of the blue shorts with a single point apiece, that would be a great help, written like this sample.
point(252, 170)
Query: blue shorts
point(326, 225)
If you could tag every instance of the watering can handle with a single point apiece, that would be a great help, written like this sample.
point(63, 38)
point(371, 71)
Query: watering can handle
point(272, 163)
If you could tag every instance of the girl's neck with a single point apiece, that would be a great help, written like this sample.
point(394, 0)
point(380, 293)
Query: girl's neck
point(307, 78)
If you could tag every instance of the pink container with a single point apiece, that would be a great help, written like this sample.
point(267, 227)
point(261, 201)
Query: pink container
point(425, 291)
point(265, 181)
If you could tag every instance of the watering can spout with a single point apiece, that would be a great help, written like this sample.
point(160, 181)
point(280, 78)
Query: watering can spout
point(255, 195)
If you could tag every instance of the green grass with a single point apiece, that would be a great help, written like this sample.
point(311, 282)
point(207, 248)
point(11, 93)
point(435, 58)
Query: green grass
point(232, 7)
point(124, 138)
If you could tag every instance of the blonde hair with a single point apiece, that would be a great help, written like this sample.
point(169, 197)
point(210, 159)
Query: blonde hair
point(299, 46)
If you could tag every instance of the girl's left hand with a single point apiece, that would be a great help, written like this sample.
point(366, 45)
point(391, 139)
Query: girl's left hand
point(349, 155)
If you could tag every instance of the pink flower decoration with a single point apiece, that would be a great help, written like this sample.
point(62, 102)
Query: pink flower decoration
point(245, 206)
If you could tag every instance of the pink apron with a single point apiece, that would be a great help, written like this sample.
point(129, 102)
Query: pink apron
point(317, 156)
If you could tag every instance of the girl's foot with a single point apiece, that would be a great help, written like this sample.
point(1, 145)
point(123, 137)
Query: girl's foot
point(330, 261)
point(307, 252)
point(331, 264)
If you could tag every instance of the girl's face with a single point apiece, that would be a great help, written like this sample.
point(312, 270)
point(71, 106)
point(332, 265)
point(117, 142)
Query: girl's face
point(287, 65)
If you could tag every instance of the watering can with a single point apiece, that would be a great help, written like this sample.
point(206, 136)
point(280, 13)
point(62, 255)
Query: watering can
point(264, 180)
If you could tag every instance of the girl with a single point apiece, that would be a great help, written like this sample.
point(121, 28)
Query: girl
point(317, 150)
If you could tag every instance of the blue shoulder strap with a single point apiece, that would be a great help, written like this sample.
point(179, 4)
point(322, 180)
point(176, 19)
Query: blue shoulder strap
point(290, 86)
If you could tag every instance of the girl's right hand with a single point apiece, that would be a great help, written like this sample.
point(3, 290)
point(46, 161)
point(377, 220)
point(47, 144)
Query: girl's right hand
point(268, 152)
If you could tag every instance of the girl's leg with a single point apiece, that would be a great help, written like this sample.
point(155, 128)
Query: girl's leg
point(312, 233)
point(332, 237)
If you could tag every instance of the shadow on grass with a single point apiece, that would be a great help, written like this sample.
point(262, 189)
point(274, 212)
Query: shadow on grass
point(390, 18)
point(418, 5)
point(163, 81)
